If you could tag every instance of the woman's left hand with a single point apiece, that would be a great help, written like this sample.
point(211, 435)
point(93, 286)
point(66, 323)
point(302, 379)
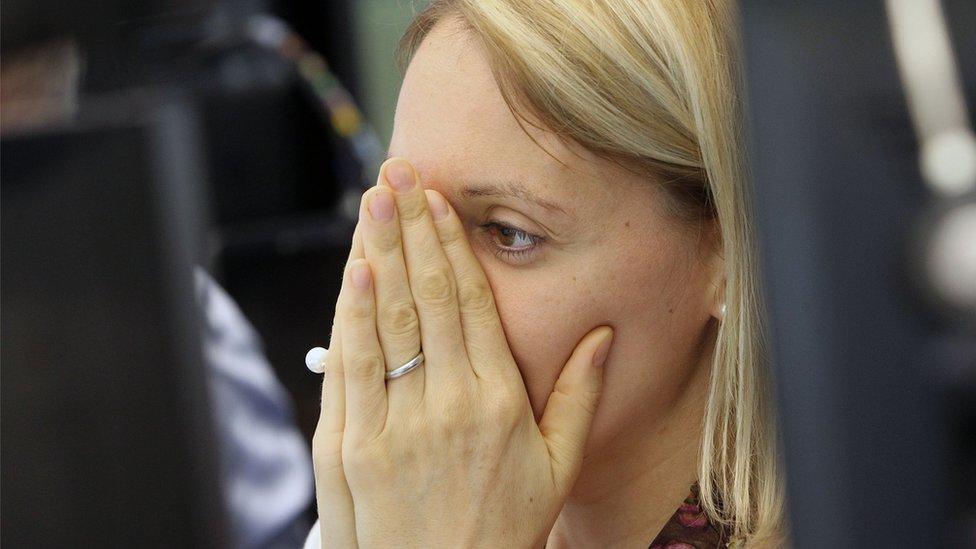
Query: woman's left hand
point(448, 455)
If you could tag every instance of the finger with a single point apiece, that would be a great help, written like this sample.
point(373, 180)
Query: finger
point(484, 338)
point(333, 498)
point(396, 317)
point(362, 357)
point(569, 413)
point(333, 415)
point(432, 281)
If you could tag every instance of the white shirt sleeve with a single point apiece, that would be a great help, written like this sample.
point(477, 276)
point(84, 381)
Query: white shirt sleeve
point(314, 539)
point(266, 463)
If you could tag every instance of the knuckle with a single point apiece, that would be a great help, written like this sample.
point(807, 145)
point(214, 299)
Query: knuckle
point(435, 286)
point(455, 420)
point(450, 234)
point(359, 309)
point(589, 400)
point(507, 403)
point(387, 241)
point(399, 318)
point(412, 209)
point(457, 430)
point(366, 367)
point(475, 295)
point(582, 397)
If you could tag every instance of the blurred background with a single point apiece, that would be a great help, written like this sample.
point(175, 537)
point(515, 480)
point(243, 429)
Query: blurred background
point(140, 141)
point(180, 176)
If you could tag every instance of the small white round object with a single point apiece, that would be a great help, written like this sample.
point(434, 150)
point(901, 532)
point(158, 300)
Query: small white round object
point(315, 359)
point(952, 257)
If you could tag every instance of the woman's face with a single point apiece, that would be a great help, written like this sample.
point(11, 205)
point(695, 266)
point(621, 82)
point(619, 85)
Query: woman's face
point(566, 248)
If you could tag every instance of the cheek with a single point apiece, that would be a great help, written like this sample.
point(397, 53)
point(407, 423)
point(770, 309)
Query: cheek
point(543, 322)
point(651, 305)
point(659, 320)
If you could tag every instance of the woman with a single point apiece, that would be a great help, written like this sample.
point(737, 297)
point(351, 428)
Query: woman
point(580, 276)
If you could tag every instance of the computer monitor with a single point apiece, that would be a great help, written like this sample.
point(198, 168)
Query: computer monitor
point(874, 387)
point(106, 434)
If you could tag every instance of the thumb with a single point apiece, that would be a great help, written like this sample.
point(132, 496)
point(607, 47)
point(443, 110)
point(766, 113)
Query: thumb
point(569, 413)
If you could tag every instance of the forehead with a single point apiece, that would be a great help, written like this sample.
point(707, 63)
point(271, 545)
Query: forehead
point(452, 120)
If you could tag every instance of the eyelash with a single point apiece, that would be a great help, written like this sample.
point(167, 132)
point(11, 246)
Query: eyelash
point(510, 254)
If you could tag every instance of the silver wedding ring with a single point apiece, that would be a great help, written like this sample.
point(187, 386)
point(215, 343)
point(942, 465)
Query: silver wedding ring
point(315, 361)
point(405, 369)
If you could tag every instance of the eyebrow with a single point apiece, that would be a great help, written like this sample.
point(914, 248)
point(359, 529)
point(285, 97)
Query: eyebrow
point(514, 189)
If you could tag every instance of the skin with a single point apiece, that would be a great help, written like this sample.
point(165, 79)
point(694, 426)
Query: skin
point(609, 256)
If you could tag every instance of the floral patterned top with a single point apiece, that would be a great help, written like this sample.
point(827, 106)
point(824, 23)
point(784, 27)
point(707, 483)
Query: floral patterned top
point(689, 528)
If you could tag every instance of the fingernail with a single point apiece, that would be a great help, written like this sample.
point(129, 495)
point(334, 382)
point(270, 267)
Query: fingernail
point(360, 275)
point(399, 174)
point(438, 206)
point(600, 356)
point(380, 206)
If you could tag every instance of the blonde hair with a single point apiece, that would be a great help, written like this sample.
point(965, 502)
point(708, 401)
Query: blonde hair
point(654, 85)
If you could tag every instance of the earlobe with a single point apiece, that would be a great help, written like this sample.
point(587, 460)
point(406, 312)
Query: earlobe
point(715, 294)
point(717, 306)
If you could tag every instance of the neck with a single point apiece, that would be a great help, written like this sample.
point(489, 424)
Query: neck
point(625, 495)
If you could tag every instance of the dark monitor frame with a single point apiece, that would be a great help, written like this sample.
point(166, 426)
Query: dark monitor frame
point(107, 435)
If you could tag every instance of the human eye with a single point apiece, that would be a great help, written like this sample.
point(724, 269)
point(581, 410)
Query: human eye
point(511, 243)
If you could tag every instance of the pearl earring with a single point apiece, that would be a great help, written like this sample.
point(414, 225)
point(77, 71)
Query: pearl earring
point(722, 310)
point(315, 360)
